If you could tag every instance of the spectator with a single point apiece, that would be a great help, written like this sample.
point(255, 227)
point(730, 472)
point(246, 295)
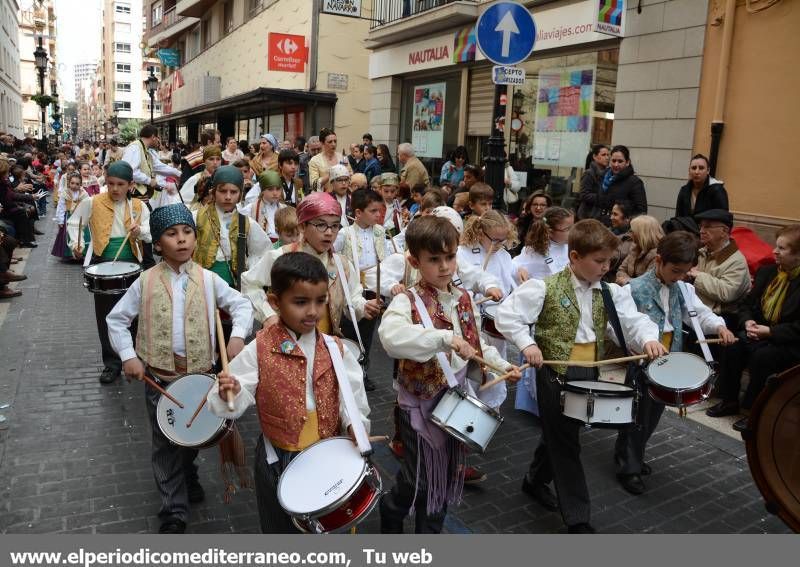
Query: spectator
point(472, 175)
point(545, 252)
point(619, 185)
point(721, 277)
point(320, 165)
point(231, 153)
point(385, 157)
point(356, 158)
point(592, 182)
point(621, 227)
point(7, 246)
point(372, 167)
point(702, 192)
point(769, 329)
point(358, 181)
point(366, 139)
point(533, 210)
point(17, 208)
point(452, 173)
point(267, 158)
point(412, 170)
point(646, 233)
point(193, 162)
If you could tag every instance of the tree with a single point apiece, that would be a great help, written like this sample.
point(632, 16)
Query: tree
point(130, 130)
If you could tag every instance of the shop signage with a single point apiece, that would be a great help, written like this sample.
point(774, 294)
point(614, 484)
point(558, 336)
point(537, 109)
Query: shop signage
point(506, 75)
point(506, 33)
point(169, 57)
point(610, 17)
point(351, 8)
point(287, 52)
point(338, 81)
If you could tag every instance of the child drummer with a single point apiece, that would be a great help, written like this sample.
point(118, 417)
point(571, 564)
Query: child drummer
point(270, 368)
point(563, 318)
point(659, 294)
point(115, 221)
point(433, 467)
point(164, 298)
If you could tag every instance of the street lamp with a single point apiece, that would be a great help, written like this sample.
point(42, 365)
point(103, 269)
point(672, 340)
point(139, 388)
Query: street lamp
point(152, 85)
point(40, 60)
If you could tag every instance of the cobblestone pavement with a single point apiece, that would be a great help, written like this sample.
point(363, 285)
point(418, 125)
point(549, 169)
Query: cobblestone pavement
point(74, 455)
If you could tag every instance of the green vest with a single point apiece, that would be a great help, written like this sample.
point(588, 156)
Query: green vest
point(558, 322)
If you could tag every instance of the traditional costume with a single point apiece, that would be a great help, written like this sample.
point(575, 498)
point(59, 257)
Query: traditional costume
point(263, 212)
point(68, 200)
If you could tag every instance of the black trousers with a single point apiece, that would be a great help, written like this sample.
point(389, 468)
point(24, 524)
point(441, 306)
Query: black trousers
point(271, 516)
point(103, 304)
point(558, 456)
point(395, 504)
point(23, 224)
point(367, 329)
point(761, 359)
point(631, 441)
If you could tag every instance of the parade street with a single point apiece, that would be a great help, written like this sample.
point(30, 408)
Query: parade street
point(75, 454)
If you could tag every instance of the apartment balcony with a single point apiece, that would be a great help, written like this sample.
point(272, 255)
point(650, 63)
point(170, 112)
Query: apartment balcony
point(400, 20)
point(194, 8)
point(170, 26)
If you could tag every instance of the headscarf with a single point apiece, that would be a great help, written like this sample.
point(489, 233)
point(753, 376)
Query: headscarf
point(317, 205)
point(228, 174)
point(121, 170)
point(775, 294)
point(269, 178)
point(169, 215)
point(211, 150)
point(272, 140)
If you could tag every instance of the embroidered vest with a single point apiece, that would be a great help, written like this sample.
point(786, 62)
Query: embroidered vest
point(70, 203)
point(208, 231)
point(145, 166)
point(103, 218)
point(351, 234)
point(646, 293)
point(426, 379)
point(558, 322)
point(281, 391)
point(154, 336)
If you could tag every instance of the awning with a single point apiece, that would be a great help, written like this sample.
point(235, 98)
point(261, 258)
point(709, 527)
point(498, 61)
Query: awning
point(254, 101)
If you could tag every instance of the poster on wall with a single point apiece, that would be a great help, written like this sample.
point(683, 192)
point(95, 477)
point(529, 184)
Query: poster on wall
point(610, 18)
point(564, 104)
point(427, 132)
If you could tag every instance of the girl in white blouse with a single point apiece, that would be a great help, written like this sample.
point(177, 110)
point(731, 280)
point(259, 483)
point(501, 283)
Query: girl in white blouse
point(545, 250)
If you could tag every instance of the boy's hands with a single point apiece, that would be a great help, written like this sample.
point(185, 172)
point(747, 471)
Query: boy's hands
point(227, 383)
point(133, 368)
point(462, 348)
point(533, 356)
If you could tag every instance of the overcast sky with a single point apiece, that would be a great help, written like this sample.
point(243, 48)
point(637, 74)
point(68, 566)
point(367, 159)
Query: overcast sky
point(78, 38)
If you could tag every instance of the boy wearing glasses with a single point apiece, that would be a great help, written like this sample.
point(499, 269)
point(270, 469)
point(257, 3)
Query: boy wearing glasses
point(319, 218)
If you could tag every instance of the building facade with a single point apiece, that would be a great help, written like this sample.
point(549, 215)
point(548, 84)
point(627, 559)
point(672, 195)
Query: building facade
point(10, 93)
point(252, 66)
point(36, 21)
point(84, 72)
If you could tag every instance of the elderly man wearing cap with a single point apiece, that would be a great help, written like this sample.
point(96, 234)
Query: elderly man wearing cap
point(267, 157)
point(412, 170)
point(721, 277)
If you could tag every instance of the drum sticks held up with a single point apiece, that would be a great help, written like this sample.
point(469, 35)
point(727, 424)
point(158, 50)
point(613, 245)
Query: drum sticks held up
point(223, 354)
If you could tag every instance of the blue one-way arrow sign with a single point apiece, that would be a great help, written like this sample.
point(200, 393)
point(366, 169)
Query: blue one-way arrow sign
point(506, 33)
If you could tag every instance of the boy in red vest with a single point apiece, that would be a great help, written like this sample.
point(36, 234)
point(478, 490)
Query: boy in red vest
point(432, 471)
point(288, 373)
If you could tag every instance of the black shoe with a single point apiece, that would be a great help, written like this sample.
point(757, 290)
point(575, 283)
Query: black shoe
point(541, 493)
point(37, 232)
point(108, 375)
point(583, 528)
point(633, 483)
point(28, 245)
point(647, 470)
point(722, 409)
point(195, 491)
point(369, 385)
point(741, 425)
point(172, 526)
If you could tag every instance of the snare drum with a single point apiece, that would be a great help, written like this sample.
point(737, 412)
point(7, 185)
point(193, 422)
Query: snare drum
point(111, 278)
point(679, 379)
point(488, 317)
point(207, 429)
point(329, 487)
point(599, 404)
point(466, 418)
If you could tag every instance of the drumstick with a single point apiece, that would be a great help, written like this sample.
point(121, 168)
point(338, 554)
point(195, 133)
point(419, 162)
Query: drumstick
point(127, 236)
point(502, 378)
point(200, 407)
point(488, 257)
point(483, 300)
point(80, 229)
point(223, 355)
point(594, 363)
point(378, 438)
point(482, 361)
point(163, 392)
point(714, 341)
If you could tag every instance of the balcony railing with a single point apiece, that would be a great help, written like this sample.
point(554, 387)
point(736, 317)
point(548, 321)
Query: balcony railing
point(388, 11)
point(169, 18)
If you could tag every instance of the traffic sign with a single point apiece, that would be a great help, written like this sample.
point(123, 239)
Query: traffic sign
point(56, 125)
point(508, 75)
point(506, 33)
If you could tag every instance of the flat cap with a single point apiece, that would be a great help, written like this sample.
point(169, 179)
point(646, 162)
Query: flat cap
point(719, 215)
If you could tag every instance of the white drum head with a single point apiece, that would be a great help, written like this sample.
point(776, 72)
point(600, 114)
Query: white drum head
point(113, 269)
point(679, 371)
point(321, 476)
point(593, 386)
point(172, 420)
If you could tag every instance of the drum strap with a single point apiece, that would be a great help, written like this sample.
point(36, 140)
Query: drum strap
point(346, 288)
point(631, 374)
point(360, 432)
point(695, 322)
point(441, 357)
point(241, 252)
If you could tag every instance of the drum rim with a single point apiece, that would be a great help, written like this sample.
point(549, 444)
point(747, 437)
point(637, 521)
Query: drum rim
point(678, 356)
point(334, 505)
point(627, 393)
point(462, 393)
point(87, 270)
point(225, 424)
point(750, 436)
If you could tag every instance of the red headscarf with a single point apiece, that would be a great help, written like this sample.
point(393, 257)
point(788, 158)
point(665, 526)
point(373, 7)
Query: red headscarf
point(317, 205)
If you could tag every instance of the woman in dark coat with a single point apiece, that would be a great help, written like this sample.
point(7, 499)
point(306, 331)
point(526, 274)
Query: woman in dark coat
point(591, 182)
point(702, 192)
point(769, 329)
point(385, 159)
point(619, 185)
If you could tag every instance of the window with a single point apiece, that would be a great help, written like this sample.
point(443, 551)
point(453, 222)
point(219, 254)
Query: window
point(122, 8)
point(154, 69)
point(123, 67)
point(122, 47)
point(206, 33)
point(122, 27)
point(157, 14)
point(123, 87)
point(122, 106)
point(227, 17)
point(254, 6)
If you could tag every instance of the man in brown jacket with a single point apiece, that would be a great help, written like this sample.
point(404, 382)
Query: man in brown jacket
point(412, 171)
point(721, 277)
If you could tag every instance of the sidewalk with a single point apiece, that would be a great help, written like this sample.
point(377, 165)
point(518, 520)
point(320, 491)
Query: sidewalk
point(74, 456)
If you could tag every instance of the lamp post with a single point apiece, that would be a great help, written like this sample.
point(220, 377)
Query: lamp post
point(40, 60)
point(56, 115)
point(152, 85)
